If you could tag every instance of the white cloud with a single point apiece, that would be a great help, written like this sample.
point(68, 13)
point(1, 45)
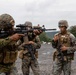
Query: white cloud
point(47, 12)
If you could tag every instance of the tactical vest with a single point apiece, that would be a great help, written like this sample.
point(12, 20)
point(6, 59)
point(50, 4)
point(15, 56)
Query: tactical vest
point(8, 54)
point(26, 39)
point(65, 40)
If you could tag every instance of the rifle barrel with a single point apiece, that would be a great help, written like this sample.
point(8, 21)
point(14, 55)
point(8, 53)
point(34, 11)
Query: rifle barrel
point(49, 29)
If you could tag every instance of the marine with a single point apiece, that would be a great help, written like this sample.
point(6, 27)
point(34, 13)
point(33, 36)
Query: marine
point(30, 42)
point(67, 43)
point(8, 47)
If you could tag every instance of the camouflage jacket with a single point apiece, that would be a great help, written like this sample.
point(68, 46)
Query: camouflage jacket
point(8, 54)
point(36, 40)
point(4, 42)
point(71, 49)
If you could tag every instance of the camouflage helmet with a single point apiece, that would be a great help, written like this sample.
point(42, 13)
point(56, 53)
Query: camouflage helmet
point(63, 23)
point(28, 24)
point(6, 21)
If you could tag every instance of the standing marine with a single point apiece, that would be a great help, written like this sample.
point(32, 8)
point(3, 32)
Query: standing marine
point(64, 43)
point(29, 53)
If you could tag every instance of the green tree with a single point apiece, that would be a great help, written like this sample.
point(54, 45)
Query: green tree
point(44, 37)
point(72, 29)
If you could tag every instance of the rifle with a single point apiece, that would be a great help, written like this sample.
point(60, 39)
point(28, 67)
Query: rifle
point(35, 27)
point(61, 56)
point(30, 49)
point(21, 28)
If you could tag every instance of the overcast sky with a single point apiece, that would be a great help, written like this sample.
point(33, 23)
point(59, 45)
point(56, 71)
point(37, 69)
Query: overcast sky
point(43, 12)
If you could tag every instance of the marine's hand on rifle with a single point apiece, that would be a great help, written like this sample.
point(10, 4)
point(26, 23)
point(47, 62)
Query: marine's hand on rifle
point(37, 32)
point(64, 48)
point(56, 38)
point(31, 42)
point(40, 31)
point(16, 37)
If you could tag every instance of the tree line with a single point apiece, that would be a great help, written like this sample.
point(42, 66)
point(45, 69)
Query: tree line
point(45, 38)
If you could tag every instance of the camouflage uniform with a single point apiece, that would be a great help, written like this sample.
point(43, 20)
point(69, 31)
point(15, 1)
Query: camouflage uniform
point(67, 40)
point(27, 60)
point(8, 48)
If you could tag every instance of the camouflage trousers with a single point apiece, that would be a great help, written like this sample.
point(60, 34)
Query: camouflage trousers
point(58, 67)
point(12, 72)
point(27, 63)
